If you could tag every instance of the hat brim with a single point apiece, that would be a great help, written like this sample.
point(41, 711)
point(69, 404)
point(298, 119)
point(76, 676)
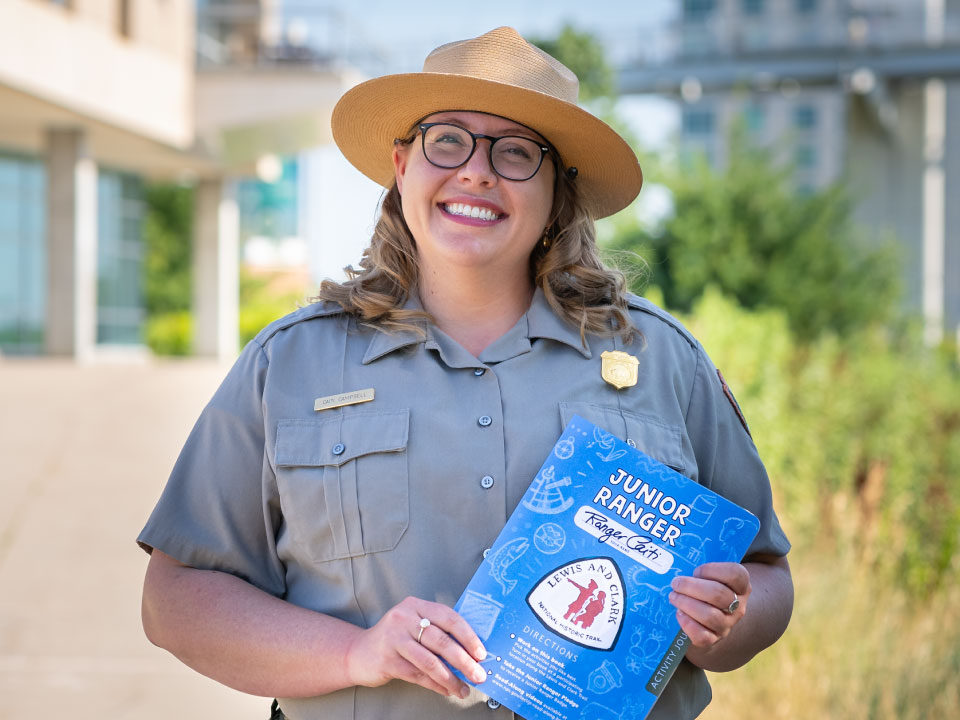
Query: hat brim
point(371, 115)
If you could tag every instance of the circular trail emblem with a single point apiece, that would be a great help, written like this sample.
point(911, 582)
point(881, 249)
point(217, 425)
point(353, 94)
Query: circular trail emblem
point(582, 601)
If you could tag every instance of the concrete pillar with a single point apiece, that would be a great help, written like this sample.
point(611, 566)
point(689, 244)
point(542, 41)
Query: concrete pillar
point(72, 246)
point(951, 165)
point(934, 209)
point(216, 270)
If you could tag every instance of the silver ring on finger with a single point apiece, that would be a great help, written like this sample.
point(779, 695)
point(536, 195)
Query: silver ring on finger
point(732, 607)
point(424, 624)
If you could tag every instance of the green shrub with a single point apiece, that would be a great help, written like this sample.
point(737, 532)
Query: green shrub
point(861, 437)
point(169, 333)
point(264, 297)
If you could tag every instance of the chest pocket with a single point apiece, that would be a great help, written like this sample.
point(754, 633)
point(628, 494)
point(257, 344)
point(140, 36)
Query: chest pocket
point(656, 438)
point(343, 482)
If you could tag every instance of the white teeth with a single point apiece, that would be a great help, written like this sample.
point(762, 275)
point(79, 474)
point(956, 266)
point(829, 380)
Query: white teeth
point(471, 211)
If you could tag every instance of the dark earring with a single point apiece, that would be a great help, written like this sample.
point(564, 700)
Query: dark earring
point(546, 241)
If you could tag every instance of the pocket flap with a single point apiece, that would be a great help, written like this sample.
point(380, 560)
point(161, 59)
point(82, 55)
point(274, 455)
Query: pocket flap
point(340, 439)
point(649, 434)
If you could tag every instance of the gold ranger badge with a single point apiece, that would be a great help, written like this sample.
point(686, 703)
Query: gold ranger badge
point(619, 368)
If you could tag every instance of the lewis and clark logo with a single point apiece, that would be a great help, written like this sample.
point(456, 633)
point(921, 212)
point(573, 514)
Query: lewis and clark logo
point(582, 601)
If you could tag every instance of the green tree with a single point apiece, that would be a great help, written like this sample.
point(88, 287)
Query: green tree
point(747, 231)
point(167, 233)
point(583, 54)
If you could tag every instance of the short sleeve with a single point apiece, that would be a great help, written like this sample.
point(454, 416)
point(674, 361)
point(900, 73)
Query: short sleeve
point(727, 458)
point(216, 511)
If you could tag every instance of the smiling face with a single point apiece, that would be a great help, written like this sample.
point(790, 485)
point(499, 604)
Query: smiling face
point(470, 218)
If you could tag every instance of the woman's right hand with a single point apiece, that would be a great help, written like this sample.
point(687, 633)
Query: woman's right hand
point(389, 650)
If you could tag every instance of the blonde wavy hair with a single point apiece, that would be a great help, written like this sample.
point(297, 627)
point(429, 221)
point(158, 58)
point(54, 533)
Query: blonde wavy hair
point(566, 266)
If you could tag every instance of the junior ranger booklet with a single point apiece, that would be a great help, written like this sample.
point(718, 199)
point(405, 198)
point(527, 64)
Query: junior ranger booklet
point(571, 601)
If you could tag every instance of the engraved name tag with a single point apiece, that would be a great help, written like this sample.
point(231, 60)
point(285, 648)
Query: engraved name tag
point(341, 399)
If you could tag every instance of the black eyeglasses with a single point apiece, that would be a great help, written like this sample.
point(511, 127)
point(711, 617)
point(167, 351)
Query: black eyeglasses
point(511, 156)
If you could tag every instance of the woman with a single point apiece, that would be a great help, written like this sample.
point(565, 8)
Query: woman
point(343, 483)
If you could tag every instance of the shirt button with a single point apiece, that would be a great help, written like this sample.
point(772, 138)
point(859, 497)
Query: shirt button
point(338, 449)
point(484, 420)
point(492, 704)
point(486, 552)
point(486, 482)
point(479, 371)
point(631, 442)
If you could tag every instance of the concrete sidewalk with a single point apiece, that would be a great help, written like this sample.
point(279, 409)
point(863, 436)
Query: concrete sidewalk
point(85, 451)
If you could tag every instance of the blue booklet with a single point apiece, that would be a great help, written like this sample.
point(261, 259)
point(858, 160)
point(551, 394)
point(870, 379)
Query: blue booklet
point(571, 601)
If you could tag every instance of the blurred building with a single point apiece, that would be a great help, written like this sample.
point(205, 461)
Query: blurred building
point(864, 90)
point(98, 97)
point(268, 74)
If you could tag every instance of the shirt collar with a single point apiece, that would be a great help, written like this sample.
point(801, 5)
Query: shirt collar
point(538, 322)
point(543, 322)
point(385, 342)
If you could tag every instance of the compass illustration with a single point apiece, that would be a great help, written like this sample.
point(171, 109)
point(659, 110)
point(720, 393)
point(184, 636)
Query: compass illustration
point(546, 493)
point(549, 538)
point(564, 448)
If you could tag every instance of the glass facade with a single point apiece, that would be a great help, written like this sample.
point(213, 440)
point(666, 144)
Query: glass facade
point(120, 313)
point(23, 254)
point(269, 209)
point(805, 117)
point(698, 122)
point(24, 257)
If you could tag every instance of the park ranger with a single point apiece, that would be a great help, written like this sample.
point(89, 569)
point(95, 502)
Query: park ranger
point(350, 474)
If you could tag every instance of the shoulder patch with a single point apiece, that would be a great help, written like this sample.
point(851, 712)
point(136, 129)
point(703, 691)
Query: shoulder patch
point(733, 402)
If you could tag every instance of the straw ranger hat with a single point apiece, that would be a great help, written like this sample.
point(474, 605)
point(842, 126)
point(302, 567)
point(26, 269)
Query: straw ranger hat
point(502, 74)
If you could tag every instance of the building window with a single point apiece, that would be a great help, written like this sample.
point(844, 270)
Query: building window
point(805, 117)
point(23, 254)
point(120, 312)
point(269, 209)
point(753, 7)
point(805, 7)
point(698, 122)
point(698, 9)
point(755, 118)
point(805, 157)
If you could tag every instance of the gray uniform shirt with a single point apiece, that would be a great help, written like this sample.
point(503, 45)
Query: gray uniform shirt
point(349, 510)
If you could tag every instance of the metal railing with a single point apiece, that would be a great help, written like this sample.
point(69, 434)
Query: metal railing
point(267, 33)
point(885, 27)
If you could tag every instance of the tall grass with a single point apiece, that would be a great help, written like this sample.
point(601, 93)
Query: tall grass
point(861, 436)
point(858, 648)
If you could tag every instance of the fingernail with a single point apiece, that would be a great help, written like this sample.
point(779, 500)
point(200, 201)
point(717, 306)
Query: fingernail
point(480, 653)
point(479, 676)
point(464, 692)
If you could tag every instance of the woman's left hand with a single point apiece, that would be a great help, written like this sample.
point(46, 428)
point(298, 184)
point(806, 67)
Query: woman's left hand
point(704, 601)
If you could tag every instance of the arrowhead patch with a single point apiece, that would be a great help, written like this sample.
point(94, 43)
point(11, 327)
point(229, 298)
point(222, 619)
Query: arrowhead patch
point(582, 601)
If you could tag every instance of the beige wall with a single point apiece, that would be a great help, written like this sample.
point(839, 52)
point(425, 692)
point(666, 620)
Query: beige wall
point(76, 58)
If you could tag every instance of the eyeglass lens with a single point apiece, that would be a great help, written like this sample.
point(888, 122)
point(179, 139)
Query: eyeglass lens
point(512, 157)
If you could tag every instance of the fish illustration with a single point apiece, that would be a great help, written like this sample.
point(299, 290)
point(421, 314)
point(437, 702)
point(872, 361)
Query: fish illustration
point(503, 558)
